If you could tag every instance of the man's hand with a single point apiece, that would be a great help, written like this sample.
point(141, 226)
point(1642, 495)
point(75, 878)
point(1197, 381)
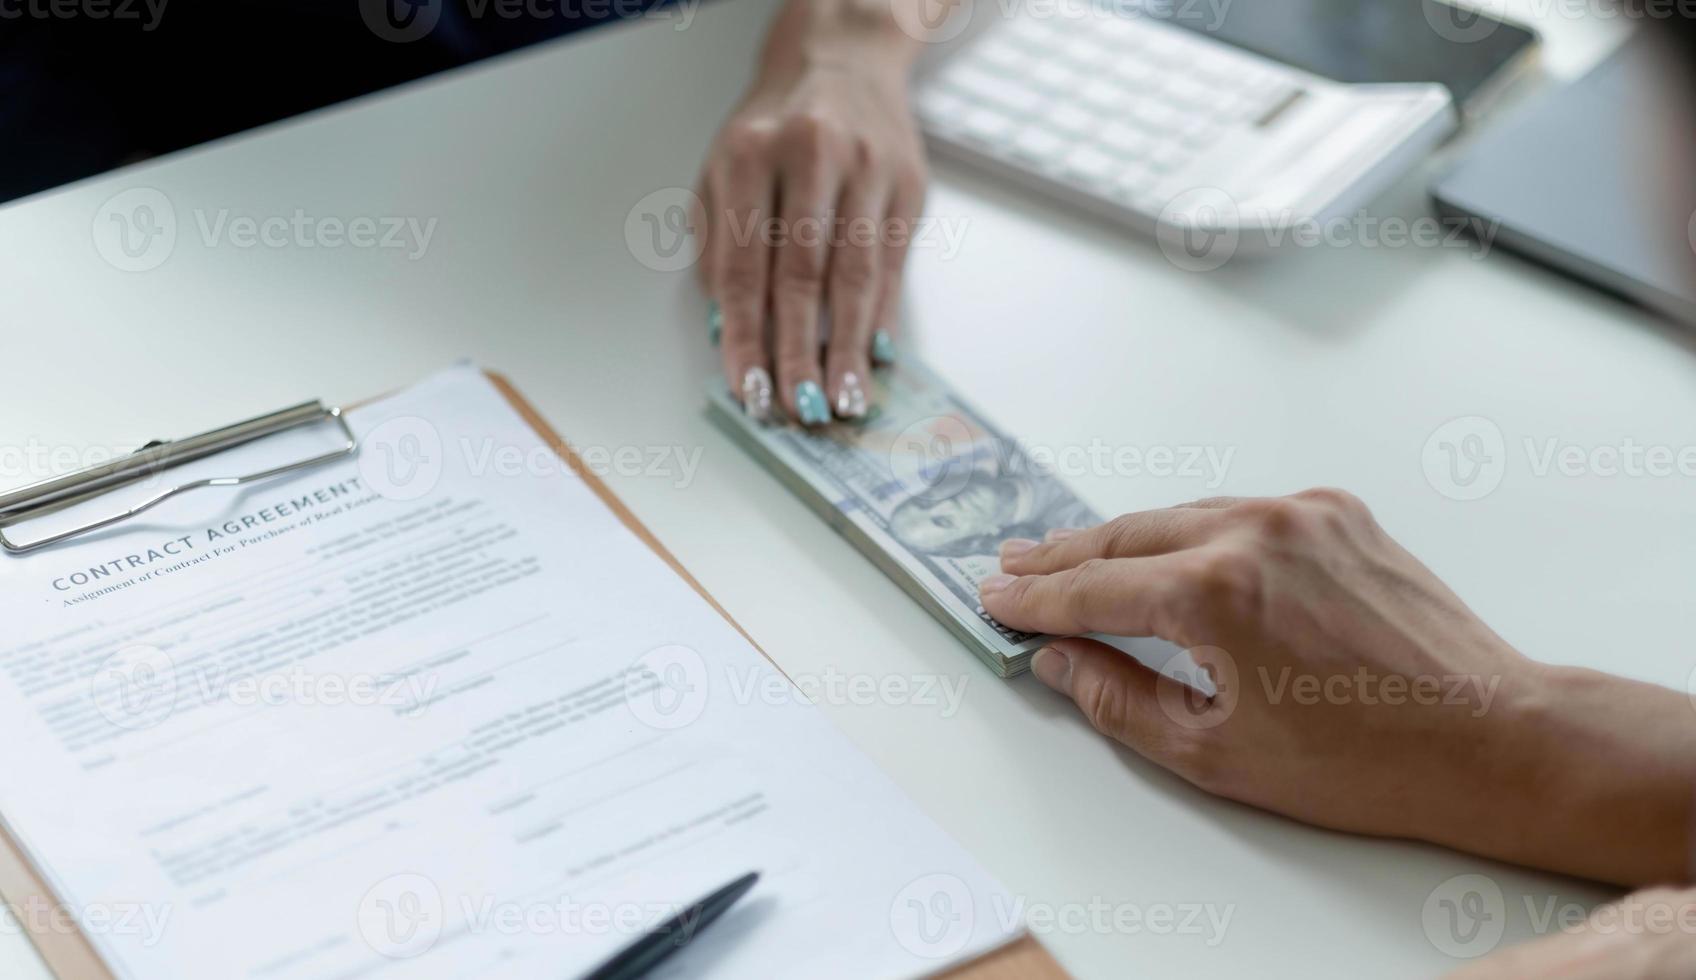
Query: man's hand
point(1649, 935)
point(1355, 691)
point(811, 193)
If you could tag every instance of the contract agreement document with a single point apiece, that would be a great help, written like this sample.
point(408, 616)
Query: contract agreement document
point(436, 712)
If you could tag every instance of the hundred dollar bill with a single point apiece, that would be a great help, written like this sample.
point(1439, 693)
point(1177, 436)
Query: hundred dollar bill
point(927, 488)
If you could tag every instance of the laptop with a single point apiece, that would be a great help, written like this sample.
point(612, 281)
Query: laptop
point(1594, 180)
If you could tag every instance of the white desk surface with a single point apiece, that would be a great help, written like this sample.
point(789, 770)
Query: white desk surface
point(1330, 366)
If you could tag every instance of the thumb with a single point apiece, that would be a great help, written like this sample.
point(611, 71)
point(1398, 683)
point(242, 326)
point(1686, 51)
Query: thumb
point(1114, 692)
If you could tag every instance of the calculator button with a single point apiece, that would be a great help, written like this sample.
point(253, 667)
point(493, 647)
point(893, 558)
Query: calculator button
point(1070, 118)
point(1091, 165)
point(1038, 145)
point(986, 124)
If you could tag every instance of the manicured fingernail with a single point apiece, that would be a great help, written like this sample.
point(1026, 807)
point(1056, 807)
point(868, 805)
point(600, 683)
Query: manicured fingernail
point(883, 347)
point(1060, 534)
point(715, 322)
point(1054, 668)
point(993, 584)
point(850, 397)
point(756, 394)
point(810, 403)
point(1014, 547)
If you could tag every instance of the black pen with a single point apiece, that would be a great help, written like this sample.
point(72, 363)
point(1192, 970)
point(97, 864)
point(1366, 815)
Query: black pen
point(673, 934)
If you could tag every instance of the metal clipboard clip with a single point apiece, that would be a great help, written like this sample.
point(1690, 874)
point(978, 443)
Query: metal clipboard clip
point(59, 492)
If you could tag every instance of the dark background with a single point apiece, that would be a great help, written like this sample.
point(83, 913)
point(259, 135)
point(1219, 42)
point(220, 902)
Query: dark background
point(83, 93)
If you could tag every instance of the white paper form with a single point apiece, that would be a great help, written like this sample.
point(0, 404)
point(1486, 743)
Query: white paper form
point(435, 712)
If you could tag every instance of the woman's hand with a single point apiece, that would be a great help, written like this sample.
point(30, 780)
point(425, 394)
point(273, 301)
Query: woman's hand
point(1355, 691)
point(811, 191)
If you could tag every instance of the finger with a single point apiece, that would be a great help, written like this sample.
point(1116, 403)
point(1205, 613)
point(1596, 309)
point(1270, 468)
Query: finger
point(1149, 532)
point(742, 197)
point(905, 206)
point(855, 266)
point(1116, 694)
point(1121, 596)
point(810, 182)
point(701, 226)
point(1212, 503)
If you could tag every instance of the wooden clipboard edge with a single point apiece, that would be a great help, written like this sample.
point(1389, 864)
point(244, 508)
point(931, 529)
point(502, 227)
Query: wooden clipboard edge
point(67, 952)
point(69, 955)
point(1022, 959)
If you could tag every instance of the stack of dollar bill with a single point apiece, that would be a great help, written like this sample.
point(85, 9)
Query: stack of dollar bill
point(927, 488)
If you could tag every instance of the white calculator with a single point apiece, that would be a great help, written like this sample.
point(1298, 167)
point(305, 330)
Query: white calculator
point(1139, 119)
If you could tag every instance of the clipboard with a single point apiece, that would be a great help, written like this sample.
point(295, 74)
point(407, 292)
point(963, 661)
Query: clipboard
point(63, 948)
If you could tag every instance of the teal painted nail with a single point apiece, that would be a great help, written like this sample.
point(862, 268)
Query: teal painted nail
point(883, 347)
point(715, 323)
point(809, 401)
